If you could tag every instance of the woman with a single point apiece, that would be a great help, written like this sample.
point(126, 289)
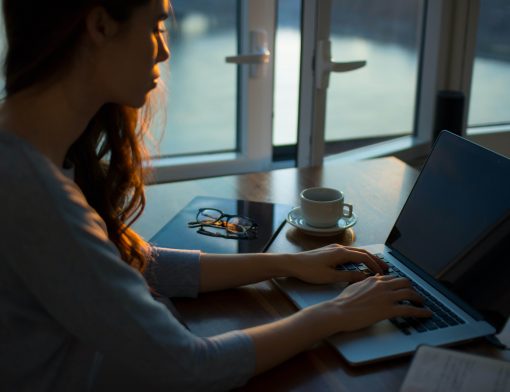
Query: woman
point(72, 285)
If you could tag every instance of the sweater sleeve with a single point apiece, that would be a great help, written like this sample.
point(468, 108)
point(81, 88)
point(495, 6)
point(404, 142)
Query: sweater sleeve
point(174, 273)
point(68, 263)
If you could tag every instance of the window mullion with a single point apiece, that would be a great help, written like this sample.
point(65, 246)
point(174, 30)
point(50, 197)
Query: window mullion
point(431, 67)
point(256, 93)
point(312, 103)
point(460, 49)
point(462, 38)
point(447, 57)
point(467, 31)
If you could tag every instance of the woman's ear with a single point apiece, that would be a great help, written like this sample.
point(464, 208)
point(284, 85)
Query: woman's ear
point(100, 26)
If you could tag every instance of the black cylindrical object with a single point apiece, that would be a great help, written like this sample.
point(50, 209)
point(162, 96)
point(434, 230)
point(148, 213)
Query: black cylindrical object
point(449, 112)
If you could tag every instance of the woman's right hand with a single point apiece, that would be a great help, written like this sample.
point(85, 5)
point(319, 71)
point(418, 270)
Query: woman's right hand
point(359, 305)
point(374, 299)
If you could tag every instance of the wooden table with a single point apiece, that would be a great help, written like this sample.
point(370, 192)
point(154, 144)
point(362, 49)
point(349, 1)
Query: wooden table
point(377, 189)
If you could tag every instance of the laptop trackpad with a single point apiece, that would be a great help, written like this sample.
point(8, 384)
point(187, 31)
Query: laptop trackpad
point(381, 340)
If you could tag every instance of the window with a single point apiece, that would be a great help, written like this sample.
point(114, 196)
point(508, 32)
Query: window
point(379, 99)
point(226, 118)
point(380, 45)
point(287, 60)
point(412, 49)
point(201, 101)
point(490, 90)
point(219, 115)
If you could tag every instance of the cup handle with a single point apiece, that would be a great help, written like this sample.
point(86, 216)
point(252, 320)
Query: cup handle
point(349, 207)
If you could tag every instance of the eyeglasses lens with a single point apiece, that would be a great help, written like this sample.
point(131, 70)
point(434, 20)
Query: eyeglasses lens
point(239, 224)
point(208, 217)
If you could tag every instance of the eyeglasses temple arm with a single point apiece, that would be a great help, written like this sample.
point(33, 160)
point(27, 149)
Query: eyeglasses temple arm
point(194, 224)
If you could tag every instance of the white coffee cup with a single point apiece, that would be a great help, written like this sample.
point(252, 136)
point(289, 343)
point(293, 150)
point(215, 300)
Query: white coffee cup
point(323, 207)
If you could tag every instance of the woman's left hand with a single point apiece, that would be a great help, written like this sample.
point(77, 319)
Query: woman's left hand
point(318, 266)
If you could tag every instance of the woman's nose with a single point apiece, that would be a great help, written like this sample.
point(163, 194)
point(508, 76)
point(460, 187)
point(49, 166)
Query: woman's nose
point(163, 50)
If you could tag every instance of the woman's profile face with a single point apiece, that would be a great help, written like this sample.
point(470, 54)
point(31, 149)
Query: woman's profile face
point(134, 54)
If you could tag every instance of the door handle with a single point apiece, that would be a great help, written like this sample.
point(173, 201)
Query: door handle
point(324, 65)
point(259, 56)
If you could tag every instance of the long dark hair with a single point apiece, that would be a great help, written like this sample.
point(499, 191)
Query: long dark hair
point(108, 157)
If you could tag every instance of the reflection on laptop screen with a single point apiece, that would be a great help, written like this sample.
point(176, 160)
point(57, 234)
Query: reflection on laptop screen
point(462, 194)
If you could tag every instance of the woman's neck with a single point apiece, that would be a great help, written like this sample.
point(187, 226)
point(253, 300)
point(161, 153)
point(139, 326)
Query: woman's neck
point(50, 117)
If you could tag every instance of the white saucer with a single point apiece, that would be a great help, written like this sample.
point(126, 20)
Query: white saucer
point(296, 219)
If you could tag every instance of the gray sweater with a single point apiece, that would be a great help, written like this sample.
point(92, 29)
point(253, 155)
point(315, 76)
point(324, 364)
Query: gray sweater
point(67, 298)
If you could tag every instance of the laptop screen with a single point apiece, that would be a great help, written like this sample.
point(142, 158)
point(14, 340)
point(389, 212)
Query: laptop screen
point(461, 196)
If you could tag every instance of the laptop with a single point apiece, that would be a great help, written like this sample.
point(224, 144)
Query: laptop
point(452, 240)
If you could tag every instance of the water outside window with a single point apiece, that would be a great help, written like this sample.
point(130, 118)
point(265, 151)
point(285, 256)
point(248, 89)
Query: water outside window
point(375, 101)
point(379, 99)
point(490, 89)
point(201, 107)
point(287, 59)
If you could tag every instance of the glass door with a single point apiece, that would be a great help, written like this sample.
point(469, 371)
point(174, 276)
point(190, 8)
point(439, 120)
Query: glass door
point(377, 101)
point(380, 41)
point(217, 112)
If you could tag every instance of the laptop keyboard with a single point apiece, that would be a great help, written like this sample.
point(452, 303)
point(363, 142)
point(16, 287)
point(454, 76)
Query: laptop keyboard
point(442, 316)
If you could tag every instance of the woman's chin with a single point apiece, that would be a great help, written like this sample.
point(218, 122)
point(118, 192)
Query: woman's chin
point(139, 105)
point(135, 100)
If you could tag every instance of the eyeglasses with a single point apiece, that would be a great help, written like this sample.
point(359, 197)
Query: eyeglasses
point(224, 225)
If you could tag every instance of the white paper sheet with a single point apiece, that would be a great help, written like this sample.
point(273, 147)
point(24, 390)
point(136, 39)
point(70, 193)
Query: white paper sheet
point(442, 370)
